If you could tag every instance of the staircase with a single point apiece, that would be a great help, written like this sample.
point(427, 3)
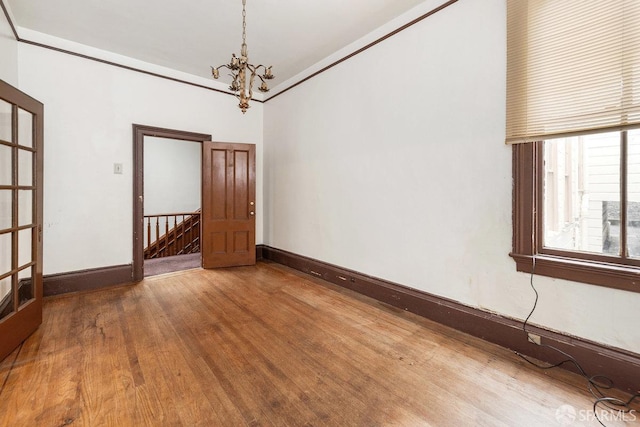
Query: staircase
point(181, 234)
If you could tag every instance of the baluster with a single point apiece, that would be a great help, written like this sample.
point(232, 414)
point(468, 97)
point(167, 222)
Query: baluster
point(166, 235)
point(156, 237)
point(148, 234)
point(189, 244)
point(179, 237)
point(182, 237)
point(197, 231)
point(175, 235)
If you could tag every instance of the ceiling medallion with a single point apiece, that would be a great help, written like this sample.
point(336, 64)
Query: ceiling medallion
point(240, 67)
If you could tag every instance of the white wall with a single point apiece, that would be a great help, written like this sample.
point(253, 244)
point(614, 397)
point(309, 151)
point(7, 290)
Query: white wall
point(172, 175)
point(393, 164)
point(8, 53)
point(89, 111)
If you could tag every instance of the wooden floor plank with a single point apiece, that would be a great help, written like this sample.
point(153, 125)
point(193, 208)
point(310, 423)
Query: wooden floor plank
point(267, 346)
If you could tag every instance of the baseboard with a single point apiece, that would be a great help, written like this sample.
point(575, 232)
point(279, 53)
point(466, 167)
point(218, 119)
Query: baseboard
point(621, 366)
point(96, 278)
point(85, 280)
point(259, 254)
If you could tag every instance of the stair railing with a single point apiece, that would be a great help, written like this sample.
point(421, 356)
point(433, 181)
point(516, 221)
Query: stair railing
point(181, 234)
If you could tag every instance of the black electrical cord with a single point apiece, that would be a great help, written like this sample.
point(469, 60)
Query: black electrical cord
point(595, 384)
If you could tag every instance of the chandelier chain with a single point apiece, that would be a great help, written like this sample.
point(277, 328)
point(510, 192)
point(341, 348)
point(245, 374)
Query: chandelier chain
point(244, 22)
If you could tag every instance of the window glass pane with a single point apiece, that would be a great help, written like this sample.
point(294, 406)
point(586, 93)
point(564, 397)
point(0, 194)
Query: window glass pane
point(633, 193)
point(25, 285)
point(5, 165)
point(25, 207)
point(6, 203)
point(582, 193)
point(25, 128)
point(5, 121)
point(6, 297)
point(24, 246)
point(25, 167)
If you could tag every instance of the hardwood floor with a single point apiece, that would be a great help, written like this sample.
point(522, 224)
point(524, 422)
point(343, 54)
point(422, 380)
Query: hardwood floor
point(267, 346)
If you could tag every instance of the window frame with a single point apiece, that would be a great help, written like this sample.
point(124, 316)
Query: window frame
point(617, 272)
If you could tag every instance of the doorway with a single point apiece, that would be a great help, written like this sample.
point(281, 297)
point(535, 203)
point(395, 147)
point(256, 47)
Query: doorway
point(172, 203)
point(172, 231)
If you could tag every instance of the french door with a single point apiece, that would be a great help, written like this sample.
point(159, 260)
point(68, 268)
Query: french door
point(228, 204)
point(21, 140)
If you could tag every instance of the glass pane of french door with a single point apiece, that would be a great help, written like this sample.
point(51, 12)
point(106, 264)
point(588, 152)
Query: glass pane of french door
point(6, 296)
point(26, 290)
point(5, 165)
point(6, 210)
point(25, 128)
point(6, 115)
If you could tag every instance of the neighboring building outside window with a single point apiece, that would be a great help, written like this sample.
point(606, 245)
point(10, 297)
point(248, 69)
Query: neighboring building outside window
point(582, 194)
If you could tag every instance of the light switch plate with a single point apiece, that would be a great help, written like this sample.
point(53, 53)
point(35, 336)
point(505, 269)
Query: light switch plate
point(117, 168)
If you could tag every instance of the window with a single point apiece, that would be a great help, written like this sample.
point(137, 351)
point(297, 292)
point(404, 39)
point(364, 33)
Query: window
point(573, 115)
point(581, 197)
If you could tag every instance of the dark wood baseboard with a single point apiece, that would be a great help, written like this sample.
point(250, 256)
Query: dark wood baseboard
point(86, 280)
point(621, 366)
point(96, 278)
point(259, 254)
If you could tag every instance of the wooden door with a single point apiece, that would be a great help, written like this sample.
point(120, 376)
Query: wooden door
point(20, 217)
point(228, 204)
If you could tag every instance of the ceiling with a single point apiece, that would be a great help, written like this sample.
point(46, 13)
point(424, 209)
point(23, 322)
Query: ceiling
point(190, 36)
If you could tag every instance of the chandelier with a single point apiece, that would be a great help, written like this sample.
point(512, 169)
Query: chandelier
point(240, 68)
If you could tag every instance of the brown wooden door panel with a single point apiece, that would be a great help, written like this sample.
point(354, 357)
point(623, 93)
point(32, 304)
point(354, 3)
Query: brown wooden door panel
point(21, 141)
point(228, 205)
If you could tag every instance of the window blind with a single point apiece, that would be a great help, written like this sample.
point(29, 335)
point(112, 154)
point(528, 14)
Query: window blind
point(573, 67)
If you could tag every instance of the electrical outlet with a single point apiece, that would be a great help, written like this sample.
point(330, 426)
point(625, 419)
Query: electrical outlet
point(533, 338)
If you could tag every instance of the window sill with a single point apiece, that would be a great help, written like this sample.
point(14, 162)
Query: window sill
point(596, 273)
